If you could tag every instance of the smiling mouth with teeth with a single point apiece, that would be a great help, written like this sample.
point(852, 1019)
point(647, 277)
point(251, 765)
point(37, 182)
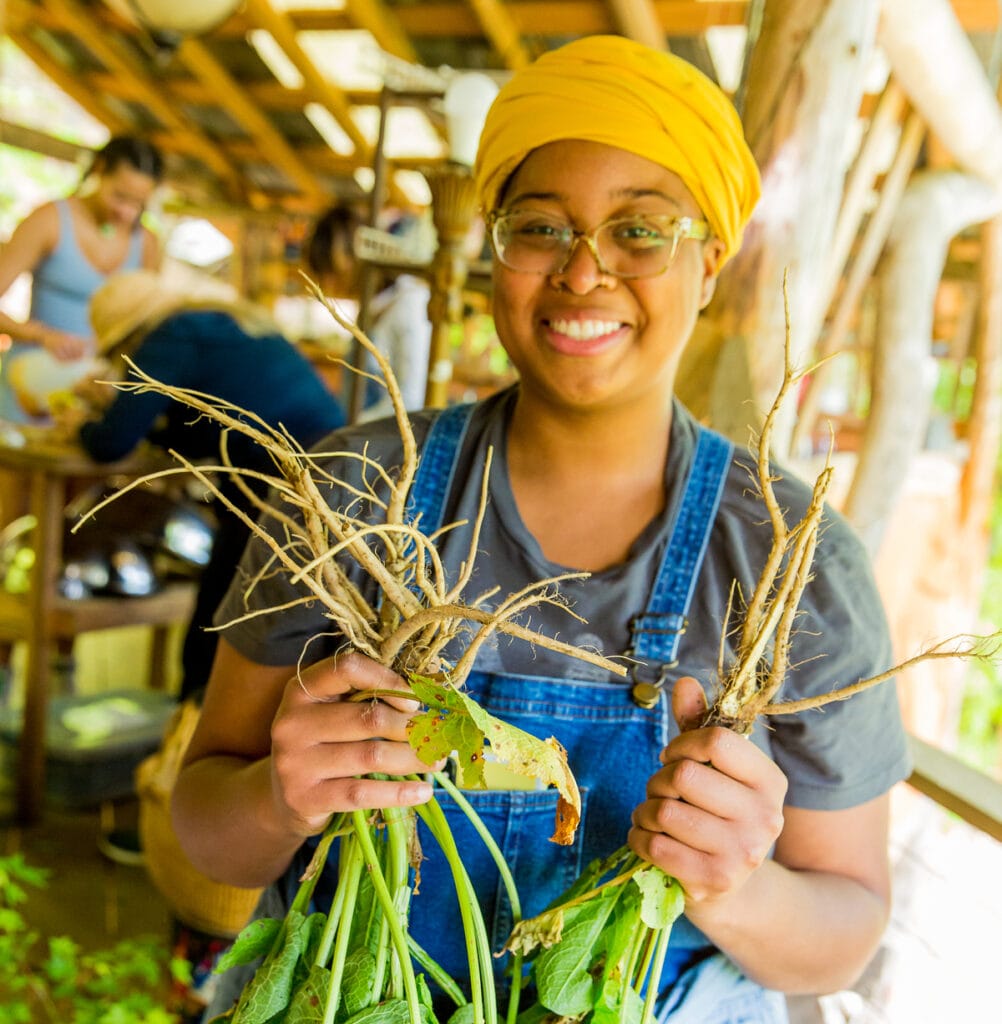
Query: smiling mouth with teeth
point(585, 330)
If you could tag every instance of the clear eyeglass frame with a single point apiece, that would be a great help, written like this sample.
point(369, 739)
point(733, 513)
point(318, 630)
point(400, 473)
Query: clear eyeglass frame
point(680, 229)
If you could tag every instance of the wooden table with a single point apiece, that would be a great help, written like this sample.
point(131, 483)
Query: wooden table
point(42, 616)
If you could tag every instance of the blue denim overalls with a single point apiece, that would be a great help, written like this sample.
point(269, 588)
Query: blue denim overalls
point(612, 745)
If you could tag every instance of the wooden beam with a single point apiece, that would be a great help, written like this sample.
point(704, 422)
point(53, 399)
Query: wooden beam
point(272, 146)
point(966, 792)
point(382, 22)
point(23, 137)
point(638, 19)
point(317, 88)
point(884, 128)
point(868, 251)
point(109, 51)
point(500, 28)
point(73, 86)
point(942, 75)
point(270, 95)
point(442, 18)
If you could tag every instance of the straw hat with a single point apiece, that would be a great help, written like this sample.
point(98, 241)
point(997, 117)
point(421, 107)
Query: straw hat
point(128, 301)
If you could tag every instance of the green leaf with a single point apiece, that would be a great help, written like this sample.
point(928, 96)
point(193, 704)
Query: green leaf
point(270, 990)
point(563, 972)
point(454, 721)
point(253, 942)
point(618, 940)
point(610, 1008)
point(308, 1003)
point(356, 988)
point(662, 900)
point(464, 1015)
point(535, 1014)
point(313, 930)
point(11, 922)
point(394, 1011)
point(425, 997)
point(366, 917)
point(61, 964)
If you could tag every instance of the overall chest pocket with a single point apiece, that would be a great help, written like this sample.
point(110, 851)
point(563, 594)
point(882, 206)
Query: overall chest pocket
point(521, 822)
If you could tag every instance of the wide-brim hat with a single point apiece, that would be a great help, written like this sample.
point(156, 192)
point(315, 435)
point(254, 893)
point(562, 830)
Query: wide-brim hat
point(127, 302)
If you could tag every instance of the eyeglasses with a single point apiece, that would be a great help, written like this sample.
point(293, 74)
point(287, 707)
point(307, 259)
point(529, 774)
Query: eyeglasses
point(628, 247)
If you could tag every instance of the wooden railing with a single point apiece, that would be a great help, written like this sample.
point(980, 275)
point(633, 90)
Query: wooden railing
point(970, 794)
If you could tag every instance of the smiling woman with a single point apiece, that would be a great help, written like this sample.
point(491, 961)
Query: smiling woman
point(597, 167)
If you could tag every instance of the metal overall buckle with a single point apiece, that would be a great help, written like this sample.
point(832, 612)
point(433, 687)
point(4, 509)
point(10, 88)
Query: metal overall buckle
point(646, 693)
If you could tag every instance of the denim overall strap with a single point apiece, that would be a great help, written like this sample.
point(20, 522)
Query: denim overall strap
point(657, 632)
point(437, 467)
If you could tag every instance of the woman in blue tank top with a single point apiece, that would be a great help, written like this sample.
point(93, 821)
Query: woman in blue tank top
point(69, 247)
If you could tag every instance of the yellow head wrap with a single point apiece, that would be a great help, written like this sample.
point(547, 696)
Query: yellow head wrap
point(612, 90)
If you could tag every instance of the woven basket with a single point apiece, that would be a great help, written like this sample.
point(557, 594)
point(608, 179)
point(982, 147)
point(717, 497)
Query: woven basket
point(197, 901)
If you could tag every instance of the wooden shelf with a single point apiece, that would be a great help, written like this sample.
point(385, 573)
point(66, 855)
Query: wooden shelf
point(68, 618)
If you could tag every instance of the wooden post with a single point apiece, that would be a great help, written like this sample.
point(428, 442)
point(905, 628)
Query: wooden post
point(803, 92)
point(936, 205)
point(977, 484)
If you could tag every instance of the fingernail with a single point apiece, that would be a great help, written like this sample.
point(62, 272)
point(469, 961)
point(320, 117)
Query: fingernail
point(419, 793)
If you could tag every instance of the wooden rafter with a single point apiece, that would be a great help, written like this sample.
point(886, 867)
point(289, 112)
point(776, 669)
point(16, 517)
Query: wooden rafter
point(272, 145)
point(317, 88)
point(73, 86)
point(118, 61)
point(542, 17)
point(638, 19)
point(500, 28)
point(384, 26)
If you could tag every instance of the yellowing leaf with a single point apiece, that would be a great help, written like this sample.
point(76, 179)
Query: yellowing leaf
point(456, 722)
point(541, 931)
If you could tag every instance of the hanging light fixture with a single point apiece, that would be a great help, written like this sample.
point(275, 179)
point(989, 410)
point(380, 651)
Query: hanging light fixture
point(180, 17)
point(467, 98)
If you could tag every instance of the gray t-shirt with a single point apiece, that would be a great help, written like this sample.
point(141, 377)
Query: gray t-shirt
point(839, 757)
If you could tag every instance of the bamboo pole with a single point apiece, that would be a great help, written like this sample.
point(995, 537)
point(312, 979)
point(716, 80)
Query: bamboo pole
point(870, 247)
point(804, 88)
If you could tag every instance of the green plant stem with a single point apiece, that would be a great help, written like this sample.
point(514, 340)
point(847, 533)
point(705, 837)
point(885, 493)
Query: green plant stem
point(654, 976)
point(474, 931)
point(364, 836)
point(352, 858)
point(397, 821)
point(304, 893)
point(438, 974)
point(620, 879)
point(647, 937)
point(336, 911)
point(633, 976)
point(506, 877)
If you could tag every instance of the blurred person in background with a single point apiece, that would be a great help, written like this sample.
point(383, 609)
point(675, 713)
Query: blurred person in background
point(69, 247)
point(397, 315)
point(229, 349)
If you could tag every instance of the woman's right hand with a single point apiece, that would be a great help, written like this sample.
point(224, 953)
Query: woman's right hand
point(63, 345)
point(324, 744)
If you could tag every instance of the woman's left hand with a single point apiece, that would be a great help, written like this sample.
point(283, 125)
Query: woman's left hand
point(715, 808)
